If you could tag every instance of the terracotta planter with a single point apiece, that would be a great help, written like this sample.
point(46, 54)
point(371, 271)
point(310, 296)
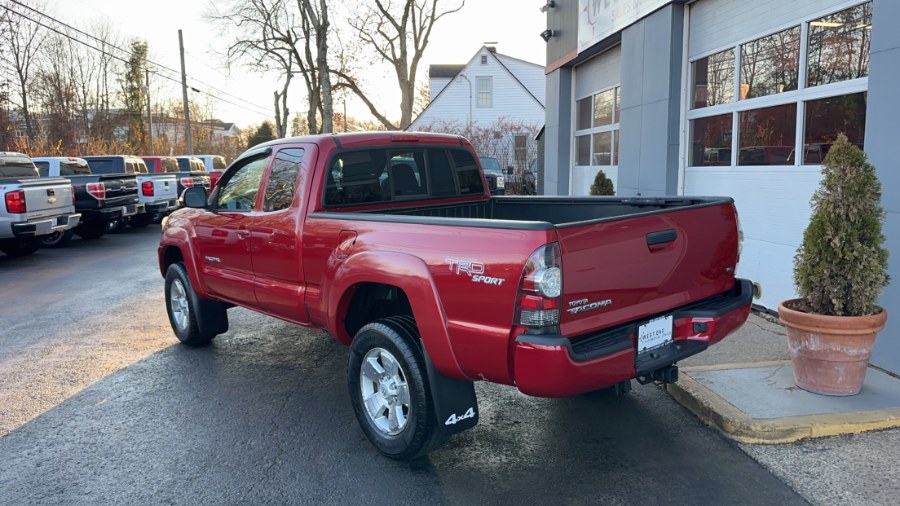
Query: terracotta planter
point(829, 354)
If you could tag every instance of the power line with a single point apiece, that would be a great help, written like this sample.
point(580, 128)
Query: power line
point(158, 65)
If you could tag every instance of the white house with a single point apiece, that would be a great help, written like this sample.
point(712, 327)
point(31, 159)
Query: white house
point(491, 93)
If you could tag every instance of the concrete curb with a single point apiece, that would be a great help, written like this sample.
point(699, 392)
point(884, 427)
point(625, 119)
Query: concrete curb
point(735, 424)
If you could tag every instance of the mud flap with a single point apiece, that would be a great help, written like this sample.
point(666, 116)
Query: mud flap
point(455, 403)
point(212, 318)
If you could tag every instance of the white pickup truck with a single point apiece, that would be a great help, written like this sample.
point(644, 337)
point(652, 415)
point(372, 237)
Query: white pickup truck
point(34, 206)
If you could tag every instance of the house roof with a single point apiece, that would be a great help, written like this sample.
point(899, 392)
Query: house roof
point(449, 71)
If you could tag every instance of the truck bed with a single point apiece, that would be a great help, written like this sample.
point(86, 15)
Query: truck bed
point(537, 213)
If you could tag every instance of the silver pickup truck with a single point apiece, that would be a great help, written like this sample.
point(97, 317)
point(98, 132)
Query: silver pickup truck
point(33, 206)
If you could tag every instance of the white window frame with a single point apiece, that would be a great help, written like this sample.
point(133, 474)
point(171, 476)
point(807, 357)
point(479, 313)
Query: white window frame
point(480, 93)
point(799, 96)
point(612, 127)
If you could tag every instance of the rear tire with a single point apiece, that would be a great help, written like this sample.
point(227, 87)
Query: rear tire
point(20, 247)
point(57, 239)
point(92, 229)
point(389, 390)
point(185, 309)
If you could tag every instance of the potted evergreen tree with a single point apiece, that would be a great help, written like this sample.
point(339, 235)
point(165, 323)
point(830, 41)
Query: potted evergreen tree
point(602, 185)
point(839, 272)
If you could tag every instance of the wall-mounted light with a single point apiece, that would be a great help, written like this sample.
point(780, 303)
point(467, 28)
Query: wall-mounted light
point(547, 6)
point(546, 34)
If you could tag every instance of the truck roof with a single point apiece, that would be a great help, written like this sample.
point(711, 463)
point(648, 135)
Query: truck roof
point(365, 138)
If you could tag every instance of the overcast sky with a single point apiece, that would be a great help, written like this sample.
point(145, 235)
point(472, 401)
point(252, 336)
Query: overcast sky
point(514, 24)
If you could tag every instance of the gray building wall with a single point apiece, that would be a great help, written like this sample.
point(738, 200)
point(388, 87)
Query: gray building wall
point(651, 106)
point(881, 140)
point(563, 20)
point(558, 132)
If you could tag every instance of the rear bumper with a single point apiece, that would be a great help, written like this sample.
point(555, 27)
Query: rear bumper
point(45, 226)
point(557, 366)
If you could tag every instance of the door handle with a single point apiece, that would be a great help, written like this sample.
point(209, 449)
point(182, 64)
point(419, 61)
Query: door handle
point(658, 241)
point(243, 234)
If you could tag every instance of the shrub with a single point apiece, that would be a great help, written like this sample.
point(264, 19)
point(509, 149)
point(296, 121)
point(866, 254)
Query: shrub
point(841, 266)
point(602, 185)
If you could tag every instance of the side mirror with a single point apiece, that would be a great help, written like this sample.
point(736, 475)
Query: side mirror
point(195, 197)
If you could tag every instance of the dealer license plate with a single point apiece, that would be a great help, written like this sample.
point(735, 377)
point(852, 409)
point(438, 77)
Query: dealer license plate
point(655, 333)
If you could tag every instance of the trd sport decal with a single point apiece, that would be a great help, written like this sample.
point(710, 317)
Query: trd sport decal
point(474, 269)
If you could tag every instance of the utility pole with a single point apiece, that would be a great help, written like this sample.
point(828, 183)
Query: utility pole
point(187, 111)
point(149, 112)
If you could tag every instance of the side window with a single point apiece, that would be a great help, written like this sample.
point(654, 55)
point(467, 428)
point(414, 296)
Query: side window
point(355, 177)
point(466, 172)
point(239, 192)
point(442, 181)
point(151, 165)
point(282, 180)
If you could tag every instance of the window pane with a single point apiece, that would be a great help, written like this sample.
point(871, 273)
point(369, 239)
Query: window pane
point(615, 147)
point(603, 108)
point(767, 136)
point(406, 175)
point(714, 79)
point(711, 143)
point(583, 113)
point(485, 86)
point(771, 64)
point(280, 187)
point(583, 150)
point(828, 117)
point(602, 148)
point(618, 104)
point(239, 193)
point(839, 46)
point(466, 173)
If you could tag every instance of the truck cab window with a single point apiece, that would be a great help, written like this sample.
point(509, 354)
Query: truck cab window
point(239, 192)
point(282, 180)
point(466, 172)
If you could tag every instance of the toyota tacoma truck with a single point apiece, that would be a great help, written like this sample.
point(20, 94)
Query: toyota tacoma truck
point(33, 207)
point(393, 244)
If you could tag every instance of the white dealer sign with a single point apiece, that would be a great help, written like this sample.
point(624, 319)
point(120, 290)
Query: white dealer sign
point(598, 19)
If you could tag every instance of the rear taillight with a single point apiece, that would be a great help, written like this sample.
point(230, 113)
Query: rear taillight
point(147, 188)
point(15, 202)
point(540, 288)
point(96, 190)
point(72, 189)
point(740, 231)
point(187, 182)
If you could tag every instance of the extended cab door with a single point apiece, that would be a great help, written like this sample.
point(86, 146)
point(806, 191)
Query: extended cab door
point(276, 232)
point(223, 233)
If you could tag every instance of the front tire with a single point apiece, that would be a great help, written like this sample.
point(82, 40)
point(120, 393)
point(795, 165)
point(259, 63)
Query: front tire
point(184, 308)
point(20, 247)
point(389, 390)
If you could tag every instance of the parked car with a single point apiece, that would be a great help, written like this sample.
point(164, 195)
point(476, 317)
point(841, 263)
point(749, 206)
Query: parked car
point(494, 174)
point(157, 192)
point(170, 165)
point(102, 199)
point(214, 165)
point(434, 283)
point(35, 207)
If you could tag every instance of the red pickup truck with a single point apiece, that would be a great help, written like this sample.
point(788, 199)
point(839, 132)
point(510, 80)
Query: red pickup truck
point(394, 245)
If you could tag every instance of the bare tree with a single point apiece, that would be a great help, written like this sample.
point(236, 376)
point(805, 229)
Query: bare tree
point(290, 38)
point(398, 31)
point(21, 47)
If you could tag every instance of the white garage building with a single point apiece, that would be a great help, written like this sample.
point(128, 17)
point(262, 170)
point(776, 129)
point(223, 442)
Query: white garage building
point(727, 97)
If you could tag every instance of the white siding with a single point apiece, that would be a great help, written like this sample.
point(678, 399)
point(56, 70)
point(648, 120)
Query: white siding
point(530, 74)
point(435, 85)
point(719, 23)
point(600, 73)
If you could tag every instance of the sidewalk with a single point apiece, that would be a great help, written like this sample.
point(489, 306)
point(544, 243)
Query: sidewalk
point(744, 388)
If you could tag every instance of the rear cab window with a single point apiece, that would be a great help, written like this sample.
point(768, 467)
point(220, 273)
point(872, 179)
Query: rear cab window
point(368, 176)
point(73, 168)
point(17, 166)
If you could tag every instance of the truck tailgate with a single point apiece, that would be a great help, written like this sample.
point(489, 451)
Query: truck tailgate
point(623, 270)
point(165, 187)
point(47, 196)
